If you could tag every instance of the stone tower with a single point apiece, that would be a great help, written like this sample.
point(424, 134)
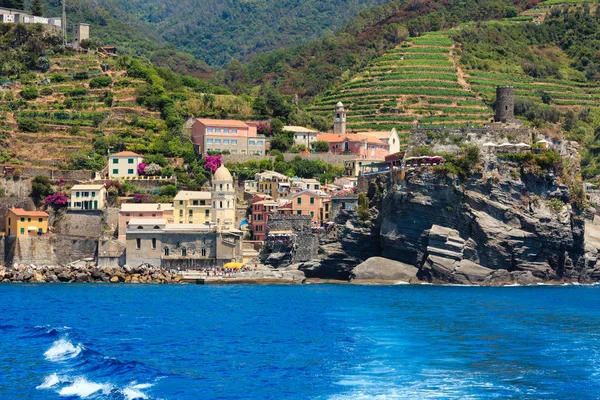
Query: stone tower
point(339, 119)
point(505, 104)
point(81, 32)
point(223, 200)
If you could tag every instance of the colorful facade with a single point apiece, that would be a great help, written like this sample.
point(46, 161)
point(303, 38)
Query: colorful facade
point(191, 207)
point(147, 211)
point(363, 145)
point(124, 164)
point(88, 197)
point(236, 137)
point(314, 203)
point(20, 222)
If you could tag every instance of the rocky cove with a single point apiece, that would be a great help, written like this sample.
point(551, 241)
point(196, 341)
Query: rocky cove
point(503, 225)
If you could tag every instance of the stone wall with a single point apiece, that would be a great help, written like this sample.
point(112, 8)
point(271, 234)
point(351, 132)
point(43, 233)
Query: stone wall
point(340, 203)
point(111, 222)
point(307, 242)
point(81, 224)
point(33, 249)
point(16, 188)
point(68, 176)
point(333, 159)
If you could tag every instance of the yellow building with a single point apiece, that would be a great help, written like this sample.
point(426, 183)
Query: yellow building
point(192, 207)
point(20, 222)
point(273, 183)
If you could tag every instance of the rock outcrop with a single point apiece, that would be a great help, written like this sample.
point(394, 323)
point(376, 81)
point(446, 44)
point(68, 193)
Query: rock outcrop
point(383, 270)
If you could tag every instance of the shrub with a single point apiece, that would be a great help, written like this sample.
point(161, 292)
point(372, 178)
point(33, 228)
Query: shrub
point(56, 200)
point(46, 91)
point(213, 163)
point(152, 169)
point(80, 76)
point(28, 125)
point(29, 93)
point(363, 207)
point(169, 190)
point(41, 188)
point(556, 205)
point(321, 146)
point(100, 82)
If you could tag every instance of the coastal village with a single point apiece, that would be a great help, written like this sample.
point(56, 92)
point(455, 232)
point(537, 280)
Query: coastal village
point(279, 227)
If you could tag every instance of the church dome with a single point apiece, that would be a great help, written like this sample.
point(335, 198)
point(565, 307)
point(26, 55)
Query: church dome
point(222, 174)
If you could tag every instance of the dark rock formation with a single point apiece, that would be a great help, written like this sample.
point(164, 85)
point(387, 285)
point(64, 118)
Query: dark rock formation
point(378, 269)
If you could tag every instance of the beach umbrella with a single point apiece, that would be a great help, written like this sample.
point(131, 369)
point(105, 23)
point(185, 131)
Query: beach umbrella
point(522, 145)
point(489, 144)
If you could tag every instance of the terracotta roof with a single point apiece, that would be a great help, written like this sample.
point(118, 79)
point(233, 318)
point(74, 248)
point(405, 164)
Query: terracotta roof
point(98, 186)
point(22, 213)
point(222, 122)
point(352, 137)
point(146, 207)
point(126, 154)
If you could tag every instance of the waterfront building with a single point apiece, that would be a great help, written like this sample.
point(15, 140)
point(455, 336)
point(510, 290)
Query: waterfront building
point(191, 207)
point(129, 211)
point(233, 136)
point(272, 183)
point(124, 165)
point(344, 200)
point(20, 222)
point(88, 197)
point(352, 167)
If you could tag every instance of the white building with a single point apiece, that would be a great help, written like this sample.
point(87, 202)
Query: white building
point(302, 136)
point(391, 138)
point(124, 164)
point(88, 197)
point(223, 200)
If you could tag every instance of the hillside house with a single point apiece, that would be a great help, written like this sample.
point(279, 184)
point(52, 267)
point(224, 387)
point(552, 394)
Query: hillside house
point(272, 183)
point(87, 197)
point(352, 167)
point(20, 222)
point(302, 136)
point(124, 165)
point(316, 204)
point(363, 145)
point(236, 137)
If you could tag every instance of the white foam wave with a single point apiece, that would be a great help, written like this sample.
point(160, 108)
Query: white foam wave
point(49, 381)
point(62, 350)
point(134, 392)
point(83, 388)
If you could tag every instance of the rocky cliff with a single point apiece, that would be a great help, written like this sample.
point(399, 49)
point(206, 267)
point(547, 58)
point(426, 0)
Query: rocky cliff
point(502, 225)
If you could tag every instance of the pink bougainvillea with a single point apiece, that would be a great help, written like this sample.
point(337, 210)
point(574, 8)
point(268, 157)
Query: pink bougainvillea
point(57, 199)
point(141, 198)
point(212, 163)
point(264, 128)
point(141, 168)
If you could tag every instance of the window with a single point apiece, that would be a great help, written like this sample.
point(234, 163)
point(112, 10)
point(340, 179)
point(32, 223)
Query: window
point(299, 201)
point(209, 130)
point(225, 130)
point(195, 202)
point(225, 141)
point(86, 194)
point(115, 160)
point(233, 141)
point(138, 243)
point(77, 193)
point(259, 152)
point(22, 231)
point(191, 213)
point(234, 131)
point(220, 204)
point(140, 227)
point(217, 141)
point(299, 212)
point(156, 227)
point(40, 230)
point(202, 202)
point(166, 251)
point(153, 243)
point(312, 200)
point(221, 186)
point(130, 161)
point(233, 151)
point(228, 187)
point(251, 142)
point(209, 141)
point(9, 221)
point(93, 194)
point(206, 213)
point(312, 213)
point(39, 220)
point(184, 252)
point(214, 204)
point(130, 171)
point(28, 219)
point(115, 172)
point(203, 252)
point(180, 202)
point(259, 142)
point(217, 130)
point(22, 219)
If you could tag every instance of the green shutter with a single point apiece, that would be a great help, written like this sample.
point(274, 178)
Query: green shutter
point(115, 161)
point(115, 171)
point(130, 160)
point(130, 171)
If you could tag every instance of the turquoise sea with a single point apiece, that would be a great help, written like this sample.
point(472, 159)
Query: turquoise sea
point(70, 341)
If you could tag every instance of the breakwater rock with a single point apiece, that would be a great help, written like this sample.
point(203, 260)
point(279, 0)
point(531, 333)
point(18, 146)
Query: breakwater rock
point(85, 273)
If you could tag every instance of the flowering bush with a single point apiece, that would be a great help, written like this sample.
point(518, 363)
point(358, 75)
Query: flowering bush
point(57, 199)
point(152, 169)
point(213, 163)
point(264, 128)
point(141, 168)
point(141, 198)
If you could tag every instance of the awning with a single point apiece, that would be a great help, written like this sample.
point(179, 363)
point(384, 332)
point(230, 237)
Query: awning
point(489, 144)
point(288, 232)
point(522, 145)
point(233, 265)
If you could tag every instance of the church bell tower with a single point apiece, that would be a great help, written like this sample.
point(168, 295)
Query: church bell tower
point(339, 119)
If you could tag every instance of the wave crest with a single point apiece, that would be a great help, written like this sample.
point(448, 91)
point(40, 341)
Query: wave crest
point(63, 350)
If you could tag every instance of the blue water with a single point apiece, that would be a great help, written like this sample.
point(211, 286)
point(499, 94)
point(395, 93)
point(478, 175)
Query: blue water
point(297, 342)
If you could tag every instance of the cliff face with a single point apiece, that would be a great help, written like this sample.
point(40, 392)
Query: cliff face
point(512, 228)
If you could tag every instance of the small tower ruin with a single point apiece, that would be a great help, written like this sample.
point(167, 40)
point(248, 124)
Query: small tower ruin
point(81, 32)
point(505, 104)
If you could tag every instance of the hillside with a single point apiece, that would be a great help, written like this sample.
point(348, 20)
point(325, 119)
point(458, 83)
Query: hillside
point(418, 82)
point(213, 31)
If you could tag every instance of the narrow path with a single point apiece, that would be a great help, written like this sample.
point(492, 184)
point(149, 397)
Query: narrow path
point(461, 74)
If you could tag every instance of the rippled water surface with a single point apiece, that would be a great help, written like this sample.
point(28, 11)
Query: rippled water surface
point(296, 342)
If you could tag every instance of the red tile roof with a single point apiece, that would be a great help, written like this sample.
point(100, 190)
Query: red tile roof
point(352, 137)
point(22, 213)
point(126, 154)
point(228, 123)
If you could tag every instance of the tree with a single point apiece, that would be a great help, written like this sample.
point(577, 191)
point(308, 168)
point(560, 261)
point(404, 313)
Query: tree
point(37, 8)
point(41, 188)
point(281, 143)
point(321, 146)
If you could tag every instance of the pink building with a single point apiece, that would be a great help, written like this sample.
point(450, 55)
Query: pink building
point(313, 203)
point(145, 211)
point(363, 145)
point(236, 137)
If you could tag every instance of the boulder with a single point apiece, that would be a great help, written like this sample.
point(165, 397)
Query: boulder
point(38, 277)
point(383, 269)
point(472, 272)
point(64, 277)
point(52, 278)
point(114, 279)
point(82, 277)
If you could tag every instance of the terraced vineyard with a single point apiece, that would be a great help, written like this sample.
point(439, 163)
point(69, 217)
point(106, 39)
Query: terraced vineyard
point(416, 83)
point(45, 117)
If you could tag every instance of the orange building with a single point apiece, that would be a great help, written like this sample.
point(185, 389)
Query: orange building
point(363, 145)
point(20, 222)
point(317, 204)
